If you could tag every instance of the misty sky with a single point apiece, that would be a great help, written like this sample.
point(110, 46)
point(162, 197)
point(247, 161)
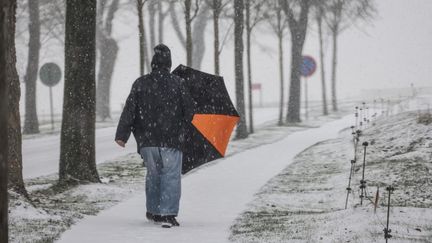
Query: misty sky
point(395, 50)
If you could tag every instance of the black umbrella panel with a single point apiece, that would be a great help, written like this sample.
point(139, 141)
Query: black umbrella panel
point(214, 120)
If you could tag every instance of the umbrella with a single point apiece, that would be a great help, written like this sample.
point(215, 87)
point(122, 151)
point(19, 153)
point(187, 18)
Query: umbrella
point(215, 117)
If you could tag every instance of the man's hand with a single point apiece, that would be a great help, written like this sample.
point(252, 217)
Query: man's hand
point(121, 143)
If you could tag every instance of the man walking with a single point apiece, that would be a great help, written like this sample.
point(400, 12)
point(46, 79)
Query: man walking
point(156, 112)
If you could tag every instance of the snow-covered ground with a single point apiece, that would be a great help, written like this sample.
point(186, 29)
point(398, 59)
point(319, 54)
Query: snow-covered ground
point(212, 196)
point(305, 202)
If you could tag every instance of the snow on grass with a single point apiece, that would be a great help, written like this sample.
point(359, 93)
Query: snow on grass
point(305, 202)
point(53, 208)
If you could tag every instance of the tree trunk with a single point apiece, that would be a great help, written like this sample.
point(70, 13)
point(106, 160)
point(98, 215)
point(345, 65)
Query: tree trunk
point(161, 17)
point(15, 179)
point(108, 50)
point(334, 66)
point(142, 37)
point(293, 115)
point(188, 20)
point(7, 14)
point(77, 143)
point(152, 20)
point(176, 24)
point(249, 68)
point(281, 73)
point(241, 131)
point(298, 30)
point(198, 37)
point(323, 82)
point(216, 13)
point(31, 124)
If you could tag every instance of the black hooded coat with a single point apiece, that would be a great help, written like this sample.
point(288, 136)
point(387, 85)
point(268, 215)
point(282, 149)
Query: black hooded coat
point(158, 107)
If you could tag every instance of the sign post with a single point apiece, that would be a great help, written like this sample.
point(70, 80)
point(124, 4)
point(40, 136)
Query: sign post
point(50, 75)
point(308, 67)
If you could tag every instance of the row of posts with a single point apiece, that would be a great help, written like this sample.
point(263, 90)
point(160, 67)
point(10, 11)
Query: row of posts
point(364, 119)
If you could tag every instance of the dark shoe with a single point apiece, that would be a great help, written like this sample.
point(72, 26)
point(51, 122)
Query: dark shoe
point(169, 221)
point(157, 219)
point(174, 221)
point(149, 216)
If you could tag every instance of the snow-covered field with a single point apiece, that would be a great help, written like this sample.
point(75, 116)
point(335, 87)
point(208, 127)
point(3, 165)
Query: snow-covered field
point(305, 202)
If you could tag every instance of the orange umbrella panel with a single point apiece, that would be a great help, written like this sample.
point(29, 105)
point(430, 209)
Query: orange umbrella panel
point(216, 129)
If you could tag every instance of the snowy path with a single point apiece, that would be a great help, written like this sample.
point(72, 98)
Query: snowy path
point(41, 155)
point(212, 197)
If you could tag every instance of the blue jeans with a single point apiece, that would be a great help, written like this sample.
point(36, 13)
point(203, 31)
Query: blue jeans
point(163, 180)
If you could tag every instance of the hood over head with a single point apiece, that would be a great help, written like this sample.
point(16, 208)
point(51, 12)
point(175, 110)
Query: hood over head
point(161, 58)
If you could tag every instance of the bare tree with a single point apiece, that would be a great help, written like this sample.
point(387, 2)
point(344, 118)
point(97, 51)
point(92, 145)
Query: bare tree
point(241, 131)
point(279, 25)
point(340, 15)
point(198, 36)
point(298, 28)
point(176, 24)
point(196, 20)
point(189, 17)
point(144, 60)
point(157, 15)
point(251, 22)
point(15, 179)
point(319, 16)
point(77, 144)
point(216, 6)
point(7, 30)
point(31, 124)
point(108, 49)
point(161, 17)
point(52, 17)
point(152, 11)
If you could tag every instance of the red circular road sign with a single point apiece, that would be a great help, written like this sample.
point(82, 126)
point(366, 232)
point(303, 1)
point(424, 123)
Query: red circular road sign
point(308, 66)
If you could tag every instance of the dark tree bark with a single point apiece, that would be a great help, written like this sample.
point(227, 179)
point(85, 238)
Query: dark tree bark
point(216, 7)
point(241, 131)
point(108, 50)
point(7, 14)
point(250, 24)
point(334, 67)
point(280, 33)
point(249, 68)
point(189, 45)
point(278, 23)
point(31, 124)
point(144, 62)
point(298, 29)
point(189, 18)
point(77, 145)
point(319, 19)
point(15, 180)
